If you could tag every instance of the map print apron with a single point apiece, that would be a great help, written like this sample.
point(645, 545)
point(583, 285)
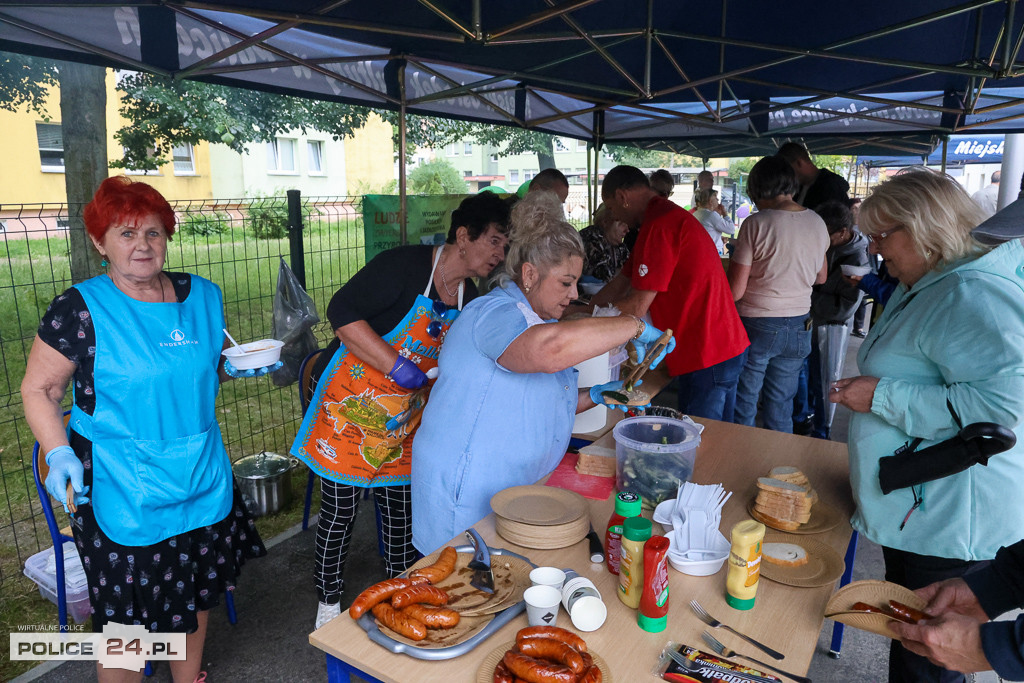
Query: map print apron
point(359, 426)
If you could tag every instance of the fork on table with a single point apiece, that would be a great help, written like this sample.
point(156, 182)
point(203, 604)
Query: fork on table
point(715, 623)
point(722, 651)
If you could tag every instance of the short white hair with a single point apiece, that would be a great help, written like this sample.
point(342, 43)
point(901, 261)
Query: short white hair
point(539, 234)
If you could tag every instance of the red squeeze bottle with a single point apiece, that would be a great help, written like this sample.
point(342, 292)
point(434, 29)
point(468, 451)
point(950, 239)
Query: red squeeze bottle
point(627, 504)
point(653, 614)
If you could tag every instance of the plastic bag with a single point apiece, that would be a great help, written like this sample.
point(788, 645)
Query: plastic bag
point(832, 343)
point(294, 317)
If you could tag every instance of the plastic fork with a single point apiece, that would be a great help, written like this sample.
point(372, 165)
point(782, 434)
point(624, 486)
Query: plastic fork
point(715, 623)
point(723, 651)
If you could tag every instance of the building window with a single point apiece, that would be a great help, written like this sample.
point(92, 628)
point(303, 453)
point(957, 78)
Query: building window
point(51, 146)
point(315, 150)
point(184, 160)
point(513, 175)
point(467, 148)
point(560, 146)
point(451, 150)
point(528, 175)
point(281, 155)
point(151, 154)
point(494, 158)
point(466, 174)
point(581, 145)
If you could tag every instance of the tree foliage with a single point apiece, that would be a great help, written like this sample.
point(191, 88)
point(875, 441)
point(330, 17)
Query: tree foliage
point(26, 82)
point(509, 141)
point(436, 177)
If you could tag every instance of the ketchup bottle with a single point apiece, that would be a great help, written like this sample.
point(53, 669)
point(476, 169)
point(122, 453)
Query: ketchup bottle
point(653, 614)
point(627, 504)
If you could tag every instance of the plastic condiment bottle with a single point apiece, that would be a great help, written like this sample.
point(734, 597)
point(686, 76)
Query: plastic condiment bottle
point(744, 564)
point(653, 615)
point(627, 504)
point(635, 532)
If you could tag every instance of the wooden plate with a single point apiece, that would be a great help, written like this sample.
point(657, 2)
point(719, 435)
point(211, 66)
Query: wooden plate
point(539, 505)
point(824, 518)
point(511, 578)
point(637, 397)
point(485, 674)
point(542, 537)
point(824, 565)
point(839, 607)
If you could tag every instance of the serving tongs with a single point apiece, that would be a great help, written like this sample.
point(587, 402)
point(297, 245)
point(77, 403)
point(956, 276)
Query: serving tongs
point(483, 578)
point(652, 352)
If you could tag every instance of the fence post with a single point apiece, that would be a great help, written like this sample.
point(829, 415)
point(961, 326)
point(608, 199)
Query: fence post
point(298, 256)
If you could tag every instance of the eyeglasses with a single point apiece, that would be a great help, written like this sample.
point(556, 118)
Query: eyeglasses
point(877, 238)
point(436, 313)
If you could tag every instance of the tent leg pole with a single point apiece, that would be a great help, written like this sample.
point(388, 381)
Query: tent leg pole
point(403, 235)
point(1011, 169)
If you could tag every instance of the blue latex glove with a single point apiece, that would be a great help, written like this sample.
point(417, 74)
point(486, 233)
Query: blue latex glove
point(65, 466)
point(232, 371)
point(597, 398)
point(648, 337)
point(406, 374)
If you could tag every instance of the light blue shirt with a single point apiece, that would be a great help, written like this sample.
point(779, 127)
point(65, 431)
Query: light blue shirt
point(485, 428)
point(957, 336)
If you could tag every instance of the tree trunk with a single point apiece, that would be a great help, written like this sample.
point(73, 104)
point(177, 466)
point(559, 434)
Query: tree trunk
point(83, 111)
point(546, 159)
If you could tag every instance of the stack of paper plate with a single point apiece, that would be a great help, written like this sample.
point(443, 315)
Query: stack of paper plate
point(540, 517)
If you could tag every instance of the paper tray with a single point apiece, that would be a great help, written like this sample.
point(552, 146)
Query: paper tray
point(369, 624)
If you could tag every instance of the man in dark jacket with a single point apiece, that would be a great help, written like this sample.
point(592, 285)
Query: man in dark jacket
point(817, 185)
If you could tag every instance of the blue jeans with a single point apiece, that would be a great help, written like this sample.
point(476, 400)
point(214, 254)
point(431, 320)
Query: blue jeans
point(711, 392)
point(802, 407)
point(777, 350)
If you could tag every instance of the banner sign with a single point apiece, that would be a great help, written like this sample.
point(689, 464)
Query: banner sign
point(430, 217)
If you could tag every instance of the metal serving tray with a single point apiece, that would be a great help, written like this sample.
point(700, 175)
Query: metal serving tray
point(369, 624)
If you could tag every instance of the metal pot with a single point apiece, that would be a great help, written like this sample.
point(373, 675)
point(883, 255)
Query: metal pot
point(265, 481)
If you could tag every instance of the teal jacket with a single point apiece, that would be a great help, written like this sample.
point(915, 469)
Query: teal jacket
point(957, 336)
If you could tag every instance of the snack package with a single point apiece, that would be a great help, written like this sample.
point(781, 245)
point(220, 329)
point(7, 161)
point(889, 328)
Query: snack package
point(705, 668)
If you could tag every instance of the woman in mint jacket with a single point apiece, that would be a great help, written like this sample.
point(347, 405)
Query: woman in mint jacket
point(951, 340)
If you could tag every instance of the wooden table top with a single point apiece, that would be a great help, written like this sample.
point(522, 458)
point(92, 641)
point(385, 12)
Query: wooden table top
point(786, 618)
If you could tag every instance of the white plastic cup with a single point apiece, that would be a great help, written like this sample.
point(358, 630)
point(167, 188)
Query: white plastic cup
point(583, 602)
point(542, 605)
point(547, 576)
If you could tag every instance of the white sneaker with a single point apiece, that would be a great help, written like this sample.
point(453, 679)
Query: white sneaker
point(325, 613)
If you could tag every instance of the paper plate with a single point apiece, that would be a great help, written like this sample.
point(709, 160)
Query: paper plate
point(511, 578)
point(824, 565)
point(824, 518)
point(840, 605)
point(539, 505)
point(542, 537)
point(485, 674)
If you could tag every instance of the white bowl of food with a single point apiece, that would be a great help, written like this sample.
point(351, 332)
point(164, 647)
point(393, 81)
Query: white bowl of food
point(701, 562)
point(855, 271)
point(257, 354)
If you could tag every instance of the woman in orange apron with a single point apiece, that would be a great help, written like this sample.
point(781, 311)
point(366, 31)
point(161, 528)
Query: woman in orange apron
point(389, 319)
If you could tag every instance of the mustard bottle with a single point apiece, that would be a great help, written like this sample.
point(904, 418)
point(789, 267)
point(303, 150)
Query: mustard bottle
point(635, 532)
point(744, 564)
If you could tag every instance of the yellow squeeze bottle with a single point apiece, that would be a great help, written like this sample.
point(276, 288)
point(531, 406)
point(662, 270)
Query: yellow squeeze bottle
point(635, 532)
point(744, 564)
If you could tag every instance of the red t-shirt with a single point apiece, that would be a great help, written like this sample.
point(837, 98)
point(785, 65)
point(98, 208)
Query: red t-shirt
point(675, 256)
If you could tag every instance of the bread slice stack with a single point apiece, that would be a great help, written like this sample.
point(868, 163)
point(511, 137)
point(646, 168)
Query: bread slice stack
point(784, 498)
point(596, 461)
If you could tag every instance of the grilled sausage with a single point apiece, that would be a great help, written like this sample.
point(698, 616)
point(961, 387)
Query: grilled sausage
point(591, 675)
point(567, 637)
point(906, 612)
point(502, 674)
point(537, 671)
point(865, 607)
point(400, 623)
point(377, 593)
point(588, 661)
point(555, 651)
point(433, 617)
point(440, 570)
point(417, 594)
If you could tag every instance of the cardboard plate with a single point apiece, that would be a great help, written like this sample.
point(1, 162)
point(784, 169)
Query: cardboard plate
point(824, 565)
point(637, 397)
point(540, 505)
point(485, 674)
point(542, 537)
point(824, 518)
point(840, 605)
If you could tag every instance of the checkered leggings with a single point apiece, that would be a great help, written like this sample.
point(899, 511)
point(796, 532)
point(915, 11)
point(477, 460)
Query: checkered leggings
point(338, 503)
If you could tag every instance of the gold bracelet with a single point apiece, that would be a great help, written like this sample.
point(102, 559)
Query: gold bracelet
point(641, 327)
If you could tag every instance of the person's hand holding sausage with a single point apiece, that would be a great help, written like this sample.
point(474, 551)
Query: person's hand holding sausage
point(855, 393)
point(953, 641)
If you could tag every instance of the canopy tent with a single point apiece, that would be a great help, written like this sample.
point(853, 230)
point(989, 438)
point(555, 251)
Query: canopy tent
point(718, 78)
point(960, 149)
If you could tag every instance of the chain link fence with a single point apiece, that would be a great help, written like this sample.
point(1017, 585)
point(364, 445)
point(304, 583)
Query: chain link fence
point(238, 244)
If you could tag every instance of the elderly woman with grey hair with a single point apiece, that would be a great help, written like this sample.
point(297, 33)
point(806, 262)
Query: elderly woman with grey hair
point(502, 410)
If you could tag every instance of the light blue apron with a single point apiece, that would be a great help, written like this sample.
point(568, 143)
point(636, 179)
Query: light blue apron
point(158, 460)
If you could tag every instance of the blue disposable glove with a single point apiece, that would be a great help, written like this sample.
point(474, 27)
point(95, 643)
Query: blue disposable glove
point(648, 337)
point(65, 466)
point(597, 398)
point(406, 374)
point(232, 371)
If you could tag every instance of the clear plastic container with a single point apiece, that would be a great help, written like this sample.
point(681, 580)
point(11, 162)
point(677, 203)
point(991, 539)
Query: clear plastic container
point(654, 456)
point(41, 569)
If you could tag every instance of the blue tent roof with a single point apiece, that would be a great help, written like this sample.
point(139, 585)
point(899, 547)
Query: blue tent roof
point(961, 149)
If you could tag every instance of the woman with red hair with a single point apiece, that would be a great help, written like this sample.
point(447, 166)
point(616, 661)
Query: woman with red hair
point(159, 524)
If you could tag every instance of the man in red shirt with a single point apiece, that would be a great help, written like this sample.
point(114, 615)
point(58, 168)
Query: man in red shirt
point(675, 274)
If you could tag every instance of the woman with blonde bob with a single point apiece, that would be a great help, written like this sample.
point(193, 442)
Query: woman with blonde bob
point(948, 351)
point(707, 213)
point(502, 410)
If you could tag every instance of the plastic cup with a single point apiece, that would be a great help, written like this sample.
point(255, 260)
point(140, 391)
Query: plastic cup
point(547, 576)
point(542, 605)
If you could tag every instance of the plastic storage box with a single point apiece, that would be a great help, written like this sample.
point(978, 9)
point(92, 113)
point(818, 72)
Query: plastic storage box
point(41, 569)
point(654, 456)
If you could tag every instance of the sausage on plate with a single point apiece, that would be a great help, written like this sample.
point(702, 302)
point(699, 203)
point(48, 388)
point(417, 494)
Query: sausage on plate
point(377, 593)
point(440, 570)
point(592, 675)
point(554, 650)
point(535, 670)
point(433, 617)
point(502, 674)
point(400, 623)
point(424, 592)
point(567, 637)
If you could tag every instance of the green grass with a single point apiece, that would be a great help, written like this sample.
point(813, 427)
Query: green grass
point(254, 414)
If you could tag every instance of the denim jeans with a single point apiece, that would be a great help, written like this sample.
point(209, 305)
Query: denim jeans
point(802, 407)
point(777, 350)
point(711, 392)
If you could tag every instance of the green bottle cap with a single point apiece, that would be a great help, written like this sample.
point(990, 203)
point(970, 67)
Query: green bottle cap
point(636, 529)
point(651, 624)
point(628, 504)
point(738, 603)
